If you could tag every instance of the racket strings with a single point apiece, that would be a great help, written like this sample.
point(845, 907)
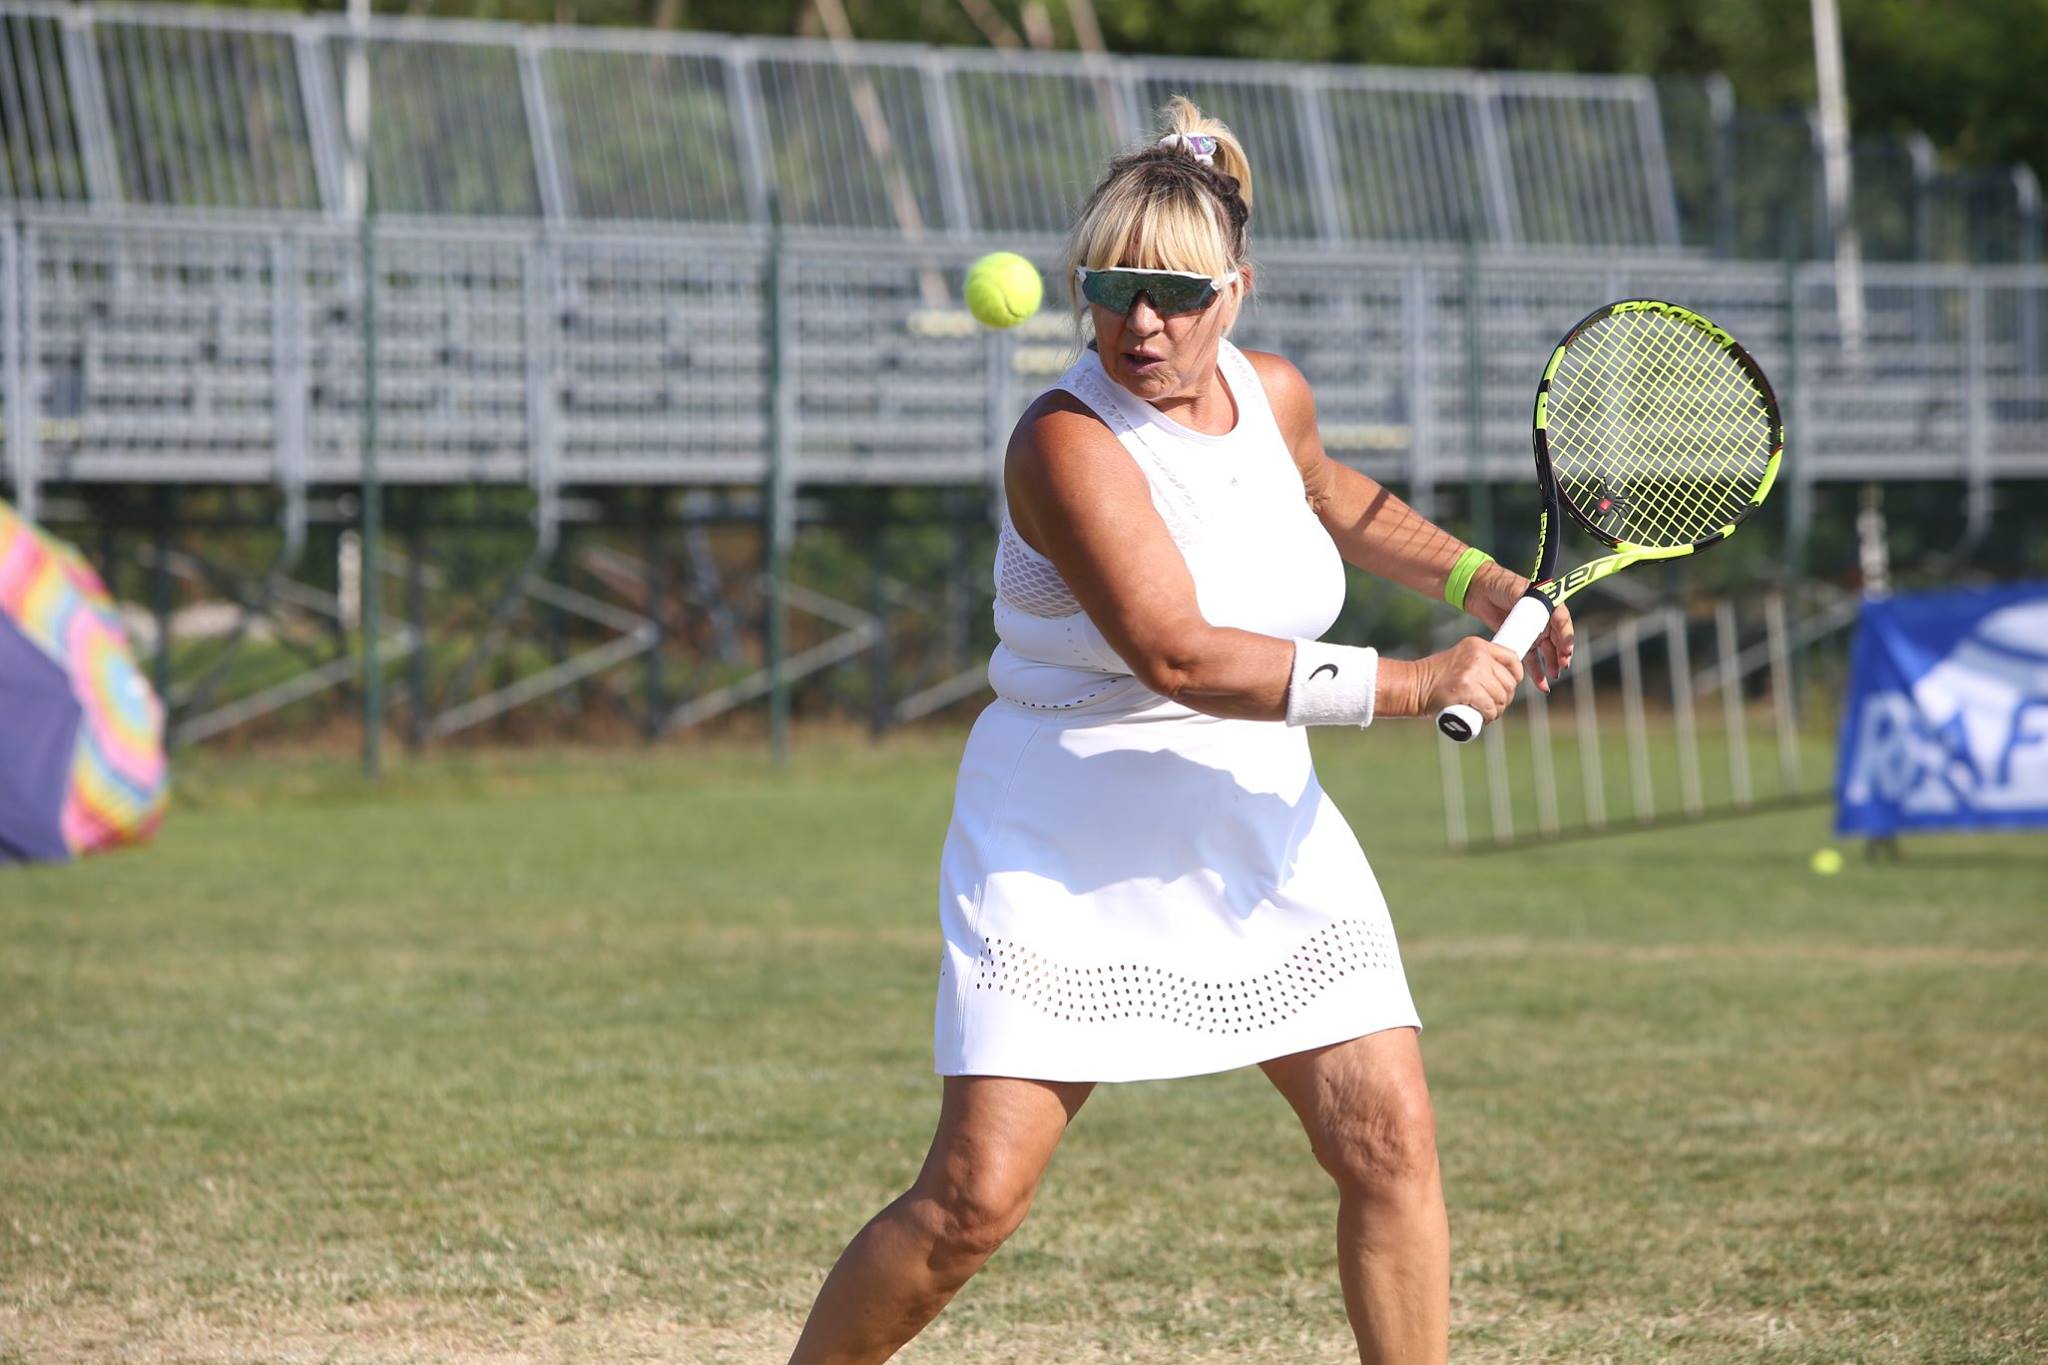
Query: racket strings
point(1662, 405)
point(1660, 458)
point(1656, 433)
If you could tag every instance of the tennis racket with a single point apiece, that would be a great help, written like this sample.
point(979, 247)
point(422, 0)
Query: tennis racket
point(1658, 435)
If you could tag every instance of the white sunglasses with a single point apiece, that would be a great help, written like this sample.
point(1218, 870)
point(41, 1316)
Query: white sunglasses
point(1171, 291)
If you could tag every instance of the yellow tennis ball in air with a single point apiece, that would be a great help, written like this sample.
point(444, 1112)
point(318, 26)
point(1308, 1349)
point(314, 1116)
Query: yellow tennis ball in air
point(1827, 861)
point(1003, 289)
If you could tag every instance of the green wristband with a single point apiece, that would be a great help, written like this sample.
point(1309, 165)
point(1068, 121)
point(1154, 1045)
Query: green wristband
point(1461, 575)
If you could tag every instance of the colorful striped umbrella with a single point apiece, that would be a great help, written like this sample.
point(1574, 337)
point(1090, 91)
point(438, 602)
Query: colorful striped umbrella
point(81, 734)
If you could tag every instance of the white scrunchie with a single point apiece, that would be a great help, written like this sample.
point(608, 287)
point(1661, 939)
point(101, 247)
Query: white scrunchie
point(1200, 146)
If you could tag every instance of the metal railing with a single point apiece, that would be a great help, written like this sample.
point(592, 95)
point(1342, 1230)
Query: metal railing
point(572, 283)
point(131, 108)
point(234, 354)
point(138, 107)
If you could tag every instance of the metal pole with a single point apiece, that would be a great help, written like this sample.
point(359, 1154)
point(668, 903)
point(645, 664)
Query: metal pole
point(1641, 786)
point(1721, 109)
point(373, 524)
point(1540, 757)
point(1587, 722)
point(1731, 704)
point(358, 114)
point(568, 700)
point(160, 594)
point(416, 610)
point(657, 616)
point(1678, 656)
point(1789, 779)
point(881, 708)
point(1500, 796)
point(1309, 94)
point(1836, 176)
point(2027, 189)
point(1475, 401)
point(1976, 417)
point(16, 291)
point(1873, 546)
point(776, 495)
point(1800, 514)
point(1422, 451)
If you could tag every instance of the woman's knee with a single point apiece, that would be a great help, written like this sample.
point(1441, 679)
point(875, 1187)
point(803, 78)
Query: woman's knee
point(967, 1215)
point(1383, 1145)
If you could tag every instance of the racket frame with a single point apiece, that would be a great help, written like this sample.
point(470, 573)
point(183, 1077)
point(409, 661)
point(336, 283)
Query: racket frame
point(1524, 626)
point(1545, 581)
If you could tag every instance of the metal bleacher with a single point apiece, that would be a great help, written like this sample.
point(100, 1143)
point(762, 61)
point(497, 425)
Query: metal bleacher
point(574, 258)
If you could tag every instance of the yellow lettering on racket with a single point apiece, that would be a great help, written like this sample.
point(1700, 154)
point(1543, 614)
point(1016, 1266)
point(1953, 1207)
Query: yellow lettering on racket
point(1588, 573)
point(1672, 310)
point(1557, 589)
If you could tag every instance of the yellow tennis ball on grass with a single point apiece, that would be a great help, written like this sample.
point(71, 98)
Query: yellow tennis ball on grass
point(1827, 861)
point(1003, 289)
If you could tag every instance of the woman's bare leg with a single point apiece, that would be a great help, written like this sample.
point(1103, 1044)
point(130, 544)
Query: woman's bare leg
point(1365, 1106)
point(996, 1135)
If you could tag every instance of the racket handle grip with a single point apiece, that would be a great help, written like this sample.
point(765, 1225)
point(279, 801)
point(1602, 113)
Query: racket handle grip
point(1525, 623)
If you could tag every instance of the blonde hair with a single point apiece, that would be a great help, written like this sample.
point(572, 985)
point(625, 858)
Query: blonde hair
point(1160, 208)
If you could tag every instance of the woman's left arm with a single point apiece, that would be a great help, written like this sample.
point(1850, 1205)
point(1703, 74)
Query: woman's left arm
point(1383, 535)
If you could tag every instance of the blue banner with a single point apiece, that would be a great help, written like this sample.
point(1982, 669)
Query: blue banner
point(1947, 722)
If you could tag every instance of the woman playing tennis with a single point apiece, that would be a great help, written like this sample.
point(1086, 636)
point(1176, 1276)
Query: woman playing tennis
point(1142, 877)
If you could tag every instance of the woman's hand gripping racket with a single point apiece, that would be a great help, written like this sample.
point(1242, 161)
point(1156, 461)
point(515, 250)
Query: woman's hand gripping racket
point(1657, 434)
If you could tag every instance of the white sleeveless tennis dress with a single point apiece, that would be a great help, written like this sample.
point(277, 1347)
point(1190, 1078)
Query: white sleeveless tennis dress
point(1131, 889)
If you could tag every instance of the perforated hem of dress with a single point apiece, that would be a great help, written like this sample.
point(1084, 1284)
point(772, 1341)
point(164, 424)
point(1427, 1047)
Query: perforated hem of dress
point(1093, 995)
point(1028, 581)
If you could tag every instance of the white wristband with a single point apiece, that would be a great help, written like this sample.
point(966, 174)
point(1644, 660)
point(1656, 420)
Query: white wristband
point(1331, 684)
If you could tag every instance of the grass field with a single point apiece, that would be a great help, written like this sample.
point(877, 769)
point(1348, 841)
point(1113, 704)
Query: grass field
point(603, 1056)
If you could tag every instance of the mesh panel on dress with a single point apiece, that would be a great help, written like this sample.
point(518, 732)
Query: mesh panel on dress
point(1028, 581)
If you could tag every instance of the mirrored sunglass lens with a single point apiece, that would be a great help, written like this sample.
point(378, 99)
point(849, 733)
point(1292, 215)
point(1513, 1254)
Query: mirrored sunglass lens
point(1118, 289)
point(1110, 289)
point(1177, 293)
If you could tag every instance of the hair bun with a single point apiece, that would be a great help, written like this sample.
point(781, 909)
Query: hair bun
point(1209, 140)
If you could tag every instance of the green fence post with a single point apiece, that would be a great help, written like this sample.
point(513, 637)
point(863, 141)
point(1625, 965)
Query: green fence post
point(373, 521)
point(776, 509)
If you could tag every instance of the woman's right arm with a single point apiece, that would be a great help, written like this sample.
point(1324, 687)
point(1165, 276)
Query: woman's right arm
point(1077, 498)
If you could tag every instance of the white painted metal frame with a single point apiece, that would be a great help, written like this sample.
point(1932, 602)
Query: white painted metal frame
point(1002, 141)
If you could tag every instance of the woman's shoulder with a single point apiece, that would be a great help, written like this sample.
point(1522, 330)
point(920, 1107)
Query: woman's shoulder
point(1056, 420)
point(1056, 452)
